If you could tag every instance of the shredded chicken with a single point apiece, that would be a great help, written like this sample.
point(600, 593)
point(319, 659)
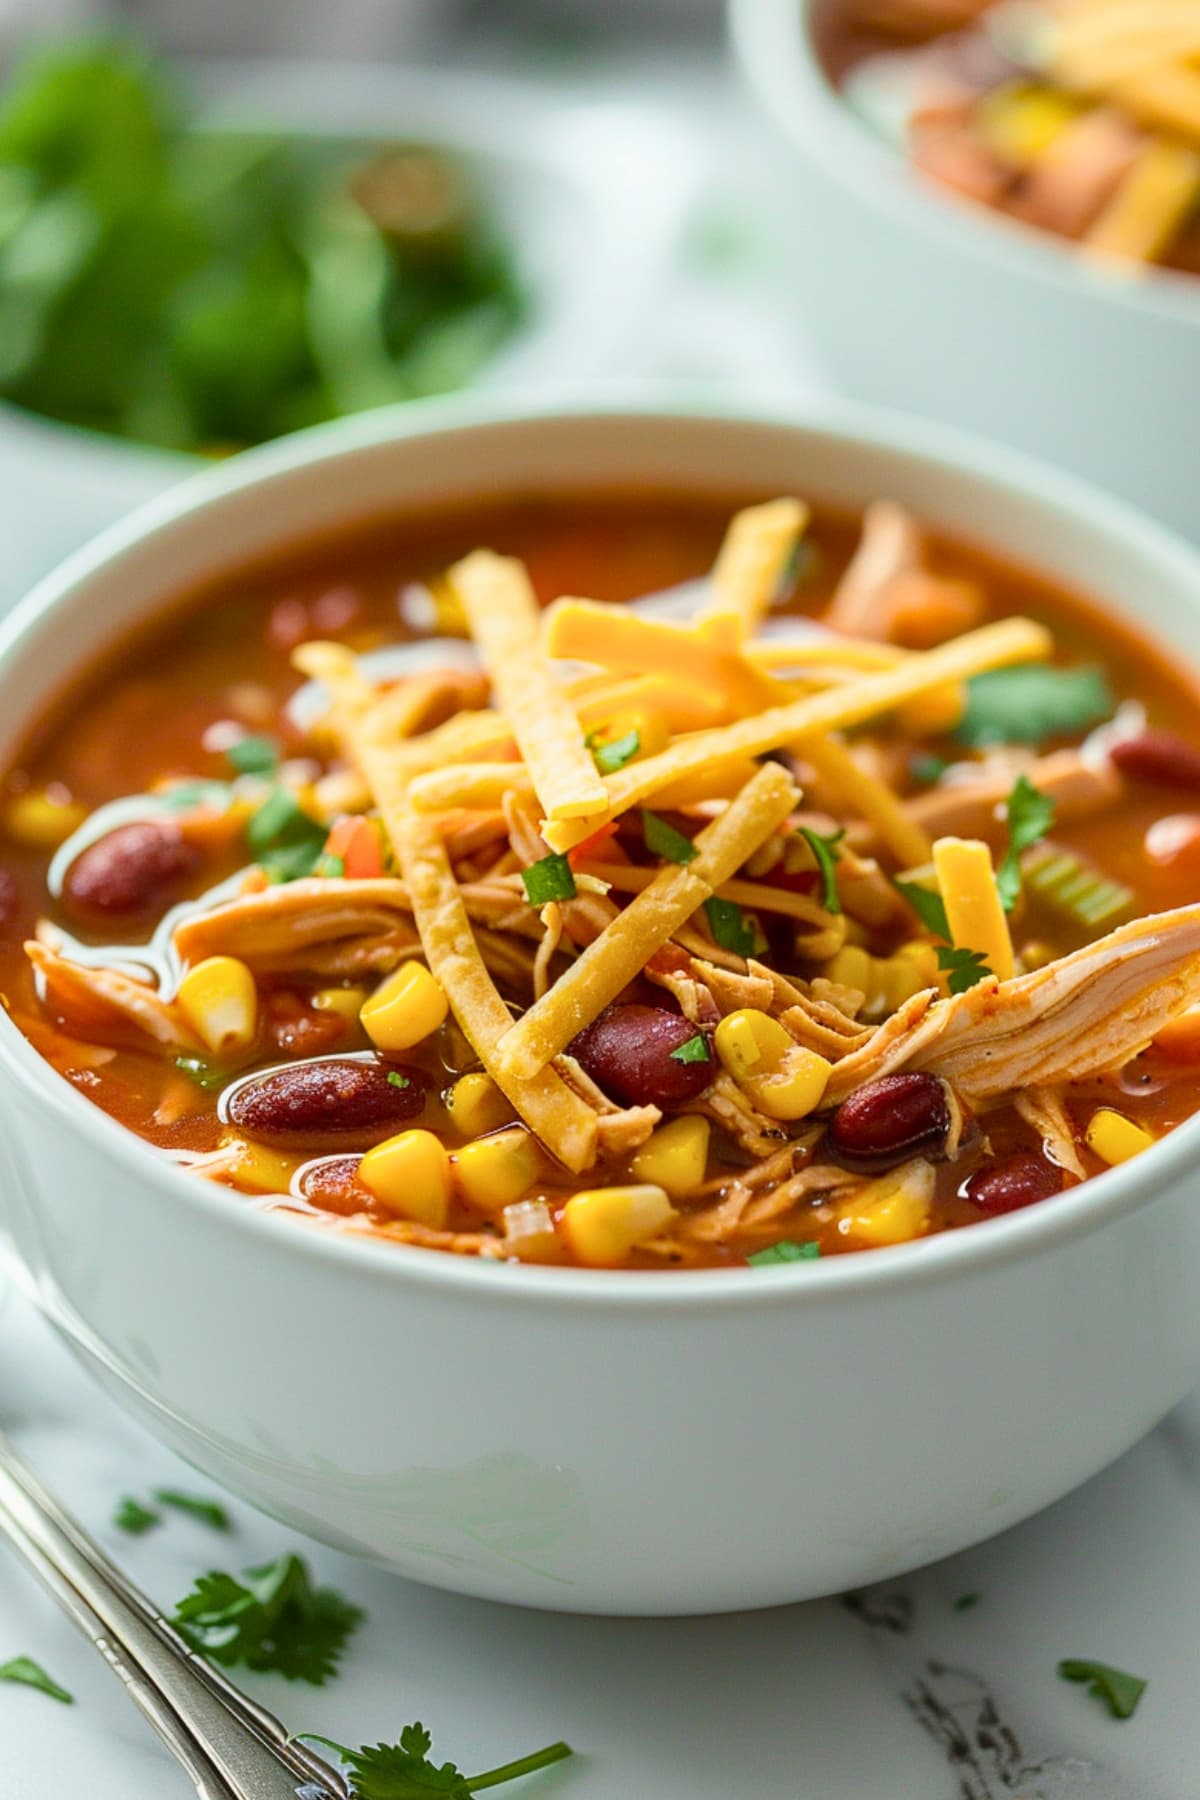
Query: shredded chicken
point(327, 925)
point(1042, 1107)
point(105, 1002)
point(975, 808)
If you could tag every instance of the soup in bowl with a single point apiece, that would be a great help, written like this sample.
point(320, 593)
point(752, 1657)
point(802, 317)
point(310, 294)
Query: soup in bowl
point(486, 896)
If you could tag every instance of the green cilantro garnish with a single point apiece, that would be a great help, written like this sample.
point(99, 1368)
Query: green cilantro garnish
point(965, 1602)
point(273, 1618)
point(827, 851)
point(965, 967)
point(32, 1674)
point(254, 755)
point(1119, 1692)
point(286, 840)
point(730, 926)
point(1030, 816)
point(929, 907)
point(549, 879)
point(1032, 702)
point(185, 794)
point(662, 839)
point(613, 756)
point(202, 1073)
point(211, 1511)
point(926, 768)
point(333, 867)
point(786, 1251)
point(397, 1080)
point(695, 1050)
point(403, 1771)
point(133, 1517)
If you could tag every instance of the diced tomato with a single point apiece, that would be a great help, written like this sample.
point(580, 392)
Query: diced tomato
point(356, 841)
point(589, 845)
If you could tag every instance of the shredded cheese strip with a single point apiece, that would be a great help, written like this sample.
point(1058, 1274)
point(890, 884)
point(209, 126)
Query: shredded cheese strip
point(708, 655)
point(1149, 206)
point(974, 912)
point(860, 792)
point(503, 614)
point(625, 946)
point(819, 652)
point(753, 556)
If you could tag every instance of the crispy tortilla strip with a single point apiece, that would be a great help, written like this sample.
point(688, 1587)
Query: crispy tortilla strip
point(861, 793)
point(759, 896)
point(503, 613)
point(752, 559)
point(708, 655)
point(624, 947)
point(1151, 202)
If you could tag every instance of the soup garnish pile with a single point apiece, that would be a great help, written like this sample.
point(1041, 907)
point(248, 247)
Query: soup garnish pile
point(832, 893)
point(1079, 117)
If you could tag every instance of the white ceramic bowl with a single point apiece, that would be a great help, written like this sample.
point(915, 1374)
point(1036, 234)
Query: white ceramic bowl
point(585, 1440)
point(915, 299)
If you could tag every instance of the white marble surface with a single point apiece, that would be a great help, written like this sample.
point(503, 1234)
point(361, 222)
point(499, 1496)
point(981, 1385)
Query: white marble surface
point(804, 1703)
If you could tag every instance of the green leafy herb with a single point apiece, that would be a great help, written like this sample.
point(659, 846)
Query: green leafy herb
point(613, 756)
point(31, 1674)
point(273, 1618)
point(404, 1771)
point(929, 907)
point(730, 926)
point(965, 967)
point(254, 755)
point(332, 867)
point(786, 1251)
point(926, 768)
point(662, 839)
point(1119, 1692)
point(1030, 816)
point(187, 794)
point(133, 1517)
point(827, 851)
point(549, 879)
point(286, 840)
point(397, 1080)
point(210, 1511)
point(202, 1073)
point(965, 1602)
point(1032, 702)
point(694, 1051)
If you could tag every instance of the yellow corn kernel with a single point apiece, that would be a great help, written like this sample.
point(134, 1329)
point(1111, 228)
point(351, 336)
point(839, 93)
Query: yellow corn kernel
point(42, 821)
point(410, 1176)
point(891, 1210)
point(494, 1171)
point(1114, 1138)
point(254, 1166)
point(405, 1008)
point(851, 968)
point(898, 978)
point(219, 1000)
point(476, 1106)
point(1019, 122)
point(346, 1002)
point(784, 1080)
point(675, 1157)
point(602, 1225)
point(973, 909)
point(529, 1232)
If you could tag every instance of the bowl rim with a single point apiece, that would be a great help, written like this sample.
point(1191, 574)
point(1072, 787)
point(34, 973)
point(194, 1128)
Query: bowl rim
point(974, 1251)
point(773, 44)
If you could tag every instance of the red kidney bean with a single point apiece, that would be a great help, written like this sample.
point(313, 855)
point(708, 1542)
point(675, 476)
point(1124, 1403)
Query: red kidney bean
point(334, 1102)
point(627, 1052)
point(333, 1185)
point(1160, 757)
point(132, 869)
point(887, 1121)
point(1017, 1181)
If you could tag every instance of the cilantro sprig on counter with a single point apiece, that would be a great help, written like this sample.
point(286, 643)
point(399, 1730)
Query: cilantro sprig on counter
point(405, 1771)
point(1117, 1690)
point(31, 1674)
point(272, 1618)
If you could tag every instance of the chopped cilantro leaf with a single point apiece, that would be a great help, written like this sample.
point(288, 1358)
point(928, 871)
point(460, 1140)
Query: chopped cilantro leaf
point(694, 1051)
point(786, 1251)
point(966, 968)
point(730, 926)
point(31, 1674)
point(273, 1618)
point(133, 1517)
point(397, 1080)
point(926, 768)
point(827, 851)
point(1120, 1692)
point(965, 1602)
point(662, 839)
point(333, 867)
point(613, 756)
point(186, 794)
point(1032, 702)
point(254, 755)
point(404, 1771)
point(202, 1073)
point(549, 879)
point(1030, 816)
point(929, 907)
point(286, 840)
point(211, 1511)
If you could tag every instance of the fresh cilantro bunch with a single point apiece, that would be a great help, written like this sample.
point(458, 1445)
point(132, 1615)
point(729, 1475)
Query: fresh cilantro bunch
point(273, 1618)
point(404, 1771)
